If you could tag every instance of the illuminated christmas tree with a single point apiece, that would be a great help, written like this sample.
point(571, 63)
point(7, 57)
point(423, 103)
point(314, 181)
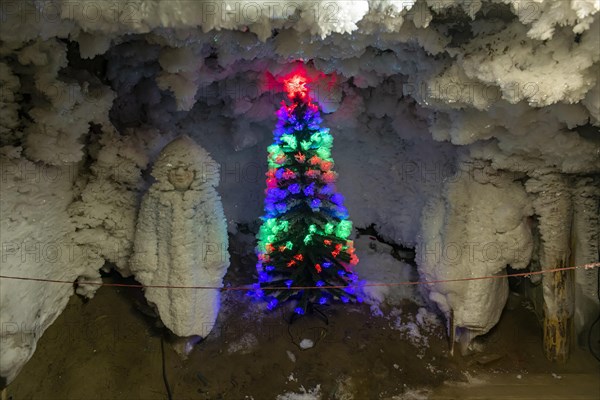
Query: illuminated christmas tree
point(303, 241)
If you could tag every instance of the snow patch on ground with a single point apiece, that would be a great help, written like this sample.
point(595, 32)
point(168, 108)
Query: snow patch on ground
point(312, 394)
point(416, 329)
point(245, 345)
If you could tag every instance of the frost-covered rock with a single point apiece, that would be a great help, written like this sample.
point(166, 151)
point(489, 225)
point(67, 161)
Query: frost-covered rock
point(181, 239)
point(35, 231)
point(586, 229)
point(105, 212)
point(377, 266)
point(476, 227)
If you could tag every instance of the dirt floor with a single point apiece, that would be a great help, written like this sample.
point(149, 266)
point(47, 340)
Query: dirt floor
point(107, 348)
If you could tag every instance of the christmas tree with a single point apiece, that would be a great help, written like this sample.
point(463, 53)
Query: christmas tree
point(303, 241)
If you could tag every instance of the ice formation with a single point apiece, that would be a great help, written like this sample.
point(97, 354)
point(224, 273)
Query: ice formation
point(420, 95)
point(181, 239)
point(476, 227)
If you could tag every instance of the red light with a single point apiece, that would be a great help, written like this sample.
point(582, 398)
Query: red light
point(296, 86)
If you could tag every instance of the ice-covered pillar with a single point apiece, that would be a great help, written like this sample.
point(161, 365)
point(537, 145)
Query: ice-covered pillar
point(553, 205)
point(586, 233)
point(475, 227)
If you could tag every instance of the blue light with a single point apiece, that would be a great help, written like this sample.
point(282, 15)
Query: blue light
point(276, 194)
point(310, 189)
point(269, 268)
point(289, 282)
point(299, 310)
point(337, 199)
point(320, 283)
point(272, 304)
point(342, 212)
point(323, 300)
point(281, 207)
point(344, 299)
point(263, 277)
point(359, 299)
point(326, 264)
point(294, 188)
point(327, 189)
point(315, 203)
point(341, 273)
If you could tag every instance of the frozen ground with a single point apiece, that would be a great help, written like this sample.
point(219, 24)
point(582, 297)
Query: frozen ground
point(356, 356)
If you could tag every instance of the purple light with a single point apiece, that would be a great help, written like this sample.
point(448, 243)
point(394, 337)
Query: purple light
point(309, 190)
point(276, 193)
point(272, 304)
point(342, 212)
point(281, 207)
point(337, 199)
point(294, 188)
point(327, 189)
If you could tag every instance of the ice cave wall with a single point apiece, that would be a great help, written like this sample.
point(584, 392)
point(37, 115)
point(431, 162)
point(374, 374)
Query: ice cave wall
point(435, 107)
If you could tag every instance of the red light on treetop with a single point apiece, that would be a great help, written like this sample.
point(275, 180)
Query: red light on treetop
point(296, 86)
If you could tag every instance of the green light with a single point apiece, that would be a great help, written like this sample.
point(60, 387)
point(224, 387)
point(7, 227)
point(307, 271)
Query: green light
point(312, 228)
point(305, 145)
point(307, 238)
point(274, 149)
point(270, 223)
point(289, 245)
point(290, 140)
point(344, 229)
point(284, 226)
point(328, 228)
point(324, 153)
point(316, 137)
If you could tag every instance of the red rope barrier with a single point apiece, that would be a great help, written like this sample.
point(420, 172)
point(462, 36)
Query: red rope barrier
point(247, 287)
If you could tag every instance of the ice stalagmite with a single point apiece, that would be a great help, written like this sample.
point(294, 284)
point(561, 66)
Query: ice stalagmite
point(181, 239)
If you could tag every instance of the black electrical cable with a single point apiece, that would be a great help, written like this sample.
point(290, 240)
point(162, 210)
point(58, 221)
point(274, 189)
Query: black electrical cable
point(164, 370)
